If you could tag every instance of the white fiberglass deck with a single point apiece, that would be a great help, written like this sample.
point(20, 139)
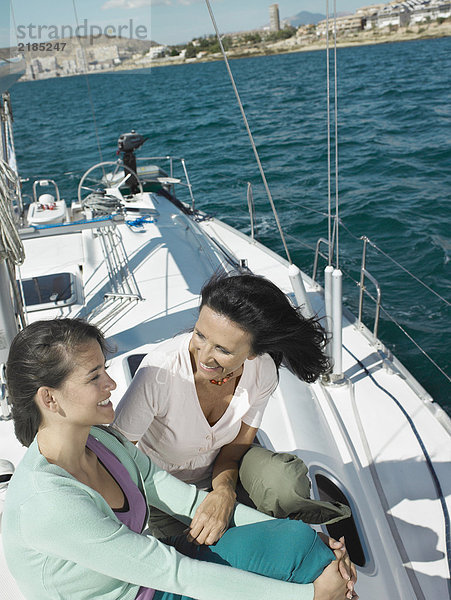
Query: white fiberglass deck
point(356, 433)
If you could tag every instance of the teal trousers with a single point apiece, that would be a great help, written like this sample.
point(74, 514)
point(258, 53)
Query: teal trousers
point(281, 549)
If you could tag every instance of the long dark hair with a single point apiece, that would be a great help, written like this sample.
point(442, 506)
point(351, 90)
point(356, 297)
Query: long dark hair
point(259, 307)
point(42, 355)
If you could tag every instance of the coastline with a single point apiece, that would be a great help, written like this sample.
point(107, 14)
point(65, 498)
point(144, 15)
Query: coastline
point(430, 31)
point(421, 31)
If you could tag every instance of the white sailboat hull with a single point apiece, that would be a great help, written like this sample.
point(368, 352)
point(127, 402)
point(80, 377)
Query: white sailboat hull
point(357, 435)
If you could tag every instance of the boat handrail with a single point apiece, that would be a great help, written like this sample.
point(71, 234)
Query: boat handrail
point(364, 273)
point(105, 314)
point(320, 241)
point(251, 207)
point(45, 183)
point(317, 253)
point(115, 255)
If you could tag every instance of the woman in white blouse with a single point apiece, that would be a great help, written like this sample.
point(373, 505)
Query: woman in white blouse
point(197, 401)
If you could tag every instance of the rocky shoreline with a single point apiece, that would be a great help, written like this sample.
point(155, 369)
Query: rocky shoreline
point(417, 32)
point(296, 43)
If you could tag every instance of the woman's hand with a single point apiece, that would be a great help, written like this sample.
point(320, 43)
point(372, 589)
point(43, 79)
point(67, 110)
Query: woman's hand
point(330, 585)
point(345, 566)
point(212, 516)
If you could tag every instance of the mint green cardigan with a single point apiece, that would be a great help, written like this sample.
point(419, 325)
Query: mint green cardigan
point(63, 542)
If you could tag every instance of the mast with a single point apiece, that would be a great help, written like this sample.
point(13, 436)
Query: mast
point(11, 248)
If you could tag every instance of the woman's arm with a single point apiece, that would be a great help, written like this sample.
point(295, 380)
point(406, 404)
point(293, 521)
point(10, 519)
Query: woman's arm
point(74, 527)
point(213, 515)
point(136, 410)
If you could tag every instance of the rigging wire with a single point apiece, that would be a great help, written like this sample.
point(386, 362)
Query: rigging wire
point(299, 243)
point(329, 207)
point(408, 272)
point(337, 266)
point(262, 173)
point(89, 87)
point(357, 238)
point(13, 16)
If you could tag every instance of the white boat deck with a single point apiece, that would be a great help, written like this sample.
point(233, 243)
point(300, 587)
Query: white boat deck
point(355, 434)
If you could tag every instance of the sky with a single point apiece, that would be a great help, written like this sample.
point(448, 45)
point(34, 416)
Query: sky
point(164, 21)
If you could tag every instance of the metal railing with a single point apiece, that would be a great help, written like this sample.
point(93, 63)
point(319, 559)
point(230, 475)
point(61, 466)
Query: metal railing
point(363, 274)
point(122, 279)
point(172, 160)
point(125, 291)
point(251, 207)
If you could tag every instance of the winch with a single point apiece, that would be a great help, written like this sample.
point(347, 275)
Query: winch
point(128, 143)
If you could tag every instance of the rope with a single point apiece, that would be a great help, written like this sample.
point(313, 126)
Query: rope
point(102, 204)
point(139, 222)
point(11, 244)
point(254, 148)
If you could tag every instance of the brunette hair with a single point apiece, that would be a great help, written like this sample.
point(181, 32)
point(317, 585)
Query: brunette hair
point(42, 355)
point(260, 308)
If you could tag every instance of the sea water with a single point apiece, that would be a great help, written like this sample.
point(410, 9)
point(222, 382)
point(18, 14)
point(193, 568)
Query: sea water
point(394, 157)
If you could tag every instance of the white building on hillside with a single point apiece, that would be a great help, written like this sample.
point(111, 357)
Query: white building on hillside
point(401, 14)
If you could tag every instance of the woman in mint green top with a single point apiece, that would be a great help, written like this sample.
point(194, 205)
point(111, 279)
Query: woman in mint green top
point(70, 526)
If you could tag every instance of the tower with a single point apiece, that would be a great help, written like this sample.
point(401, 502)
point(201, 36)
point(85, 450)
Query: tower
point(274, 19)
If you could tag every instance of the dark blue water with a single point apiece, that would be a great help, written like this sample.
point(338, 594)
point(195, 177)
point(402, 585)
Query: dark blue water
point(394, 161)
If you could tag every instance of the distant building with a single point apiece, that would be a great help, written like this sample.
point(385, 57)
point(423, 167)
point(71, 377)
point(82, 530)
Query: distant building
point(402, 14)
point(348, 23)
point(41, 68)
point(69, 67)
point(157, 51)
point(103, 54)
point(80, 59)
point(435, 9)
point(393, 14)
point(274, 18)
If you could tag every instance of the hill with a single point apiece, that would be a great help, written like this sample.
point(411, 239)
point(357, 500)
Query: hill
point(305, 18)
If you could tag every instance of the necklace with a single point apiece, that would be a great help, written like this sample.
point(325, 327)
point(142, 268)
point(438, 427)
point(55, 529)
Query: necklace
point(221, 381)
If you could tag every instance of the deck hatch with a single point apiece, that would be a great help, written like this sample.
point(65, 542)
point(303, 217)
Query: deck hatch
point(47, 291)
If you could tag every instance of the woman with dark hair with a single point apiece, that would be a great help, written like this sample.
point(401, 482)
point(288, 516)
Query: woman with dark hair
point(77, 505)
point(197, 401)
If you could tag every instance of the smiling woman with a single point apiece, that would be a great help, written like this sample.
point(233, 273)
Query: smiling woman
point(197, 401)
point(218, 348)
point(47, 364)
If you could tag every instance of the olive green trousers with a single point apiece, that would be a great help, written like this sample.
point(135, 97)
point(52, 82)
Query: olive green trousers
point(275, 484)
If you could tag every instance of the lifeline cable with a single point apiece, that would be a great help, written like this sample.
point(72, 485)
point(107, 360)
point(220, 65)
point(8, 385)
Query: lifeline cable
point(254, 148)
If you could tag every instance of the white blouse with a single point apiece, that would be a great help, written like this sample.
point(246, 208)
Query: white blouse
point(161, 410)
